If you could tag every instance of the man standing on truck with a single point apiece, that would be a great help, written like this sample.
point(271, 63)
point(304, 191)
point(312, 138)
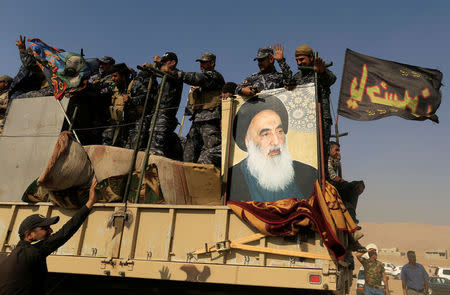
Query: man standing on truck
point(115, 134)
point(305, 58)
point(203, 142)
point(374, 274)
point(414, 277)
point(164, 141)
point(24, 271)
point(267, 77)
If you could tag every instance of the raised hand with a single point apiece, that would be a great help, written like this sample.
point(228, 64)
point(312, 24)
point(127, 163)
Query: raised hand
point(20, 43)
point(319, 65)
point(278, 52)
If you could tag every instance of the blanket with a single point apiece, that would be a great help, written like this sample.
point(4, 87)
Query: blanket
point(324, 213)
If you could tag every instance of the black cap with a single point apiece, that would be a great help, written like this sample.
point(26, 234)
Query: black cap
point(263, 52)
point(250, 109)
point(206, 56)
point(34, 221)
point(169, 56)
point(121, 69)
point(107, 60)
point(229, 87)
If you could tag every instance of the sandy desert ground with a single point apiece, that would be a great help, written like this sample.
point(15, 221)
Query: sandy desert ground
point(406, 236)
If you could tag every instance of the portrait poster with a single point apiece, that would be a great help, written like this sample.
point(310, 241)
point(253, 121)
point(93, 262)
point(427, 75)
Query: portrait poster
point(270, 152)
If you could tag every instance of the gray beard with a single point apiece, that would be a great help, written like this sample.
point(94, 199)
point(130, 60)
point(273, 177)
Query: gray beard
point(273, 174)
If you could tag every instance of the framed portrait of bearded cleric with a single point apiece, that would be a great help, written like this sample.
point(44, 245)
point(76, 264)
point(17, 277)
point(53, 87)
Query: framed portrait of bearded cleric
point(270, 152)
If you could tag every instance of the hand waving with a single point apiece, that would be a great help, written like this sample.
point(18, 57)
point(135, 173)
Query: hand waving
point(278, 52)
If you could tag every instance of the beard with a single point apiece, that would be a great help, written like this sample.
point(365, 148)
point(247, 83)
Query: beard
point(272, 173)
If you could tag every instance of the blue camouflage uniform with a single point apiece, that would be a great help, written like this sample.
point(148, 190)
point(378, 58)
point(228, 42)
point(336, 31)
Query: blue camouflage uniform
point(203, 143)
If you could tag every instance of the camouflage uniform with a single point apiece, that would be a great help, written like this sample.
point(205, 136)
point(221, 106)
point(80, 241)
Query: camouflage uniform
point(269, 80)
point(164, 141)
point(203, 143)
point(116, 135)
point(325, 80)
point(373, 271)
point(3, 105)
point(45, 88)
point(93, 109)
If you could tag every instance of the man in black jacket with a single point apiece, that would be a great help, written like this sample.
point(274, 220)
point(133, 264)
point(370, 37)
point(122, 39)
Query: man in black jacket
point(24, 271)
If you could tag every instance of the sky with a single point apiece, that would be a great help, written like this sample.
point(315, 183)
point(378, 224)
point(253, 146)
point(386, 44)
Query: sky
point(405, 164)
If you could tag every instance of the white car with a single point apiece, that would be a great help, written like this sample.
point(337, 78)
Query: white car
point(442, 272)
point(391, 269)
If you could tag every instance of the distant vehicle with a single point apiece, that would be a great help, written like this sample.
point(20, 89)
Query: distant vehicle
point(361, 280)
point(399, 275)
point(438, 286)
point(442, 272)
point(391, 269)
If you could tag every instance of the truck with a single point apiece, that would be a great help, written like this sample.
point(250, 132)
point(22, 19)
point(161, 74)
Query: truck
point(182, 244)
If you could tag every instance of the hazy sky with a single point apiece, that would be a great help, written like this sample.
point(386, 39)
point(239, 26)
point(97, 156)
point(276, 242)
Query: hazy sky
point(405, 164)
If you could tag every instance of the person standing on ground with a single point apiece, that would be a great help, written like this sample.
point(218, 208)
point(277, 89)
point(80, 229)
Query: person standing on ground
point(374, 274)
point(414, 277)
point(24, 271)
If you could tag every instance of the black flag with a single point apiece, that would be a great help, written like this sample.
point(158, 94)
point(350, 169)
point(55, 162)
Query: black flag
point(373, 88)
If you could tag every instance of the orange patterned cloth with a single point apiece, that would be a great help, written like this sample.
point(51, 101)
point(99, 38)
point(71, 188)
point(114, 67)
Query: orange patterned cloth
point(324, 213)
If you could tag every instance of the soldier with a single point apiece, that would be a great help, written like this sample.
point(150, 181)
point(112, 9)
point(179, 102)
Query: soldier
point(305, 58)
point(138, 93)
point(5, 82)
point(349, 191)
point(106, 64)
point(267, 77)
point(115, 134)
point(164, 141)
point(41, 87)
point(374, 273)
point(203, 143)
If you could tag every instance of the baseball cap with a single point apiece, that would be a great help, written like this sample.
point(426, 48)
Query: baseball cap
point(169, 56)
point(206, 56)
point(107, 60)
point(263, 52)
point(34, 221)
point(5, 78)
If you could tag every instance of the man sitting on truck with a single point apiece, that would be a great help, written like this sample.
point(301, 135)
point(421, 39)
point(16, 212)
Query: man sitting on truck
point(349, 191)
point(24, 271)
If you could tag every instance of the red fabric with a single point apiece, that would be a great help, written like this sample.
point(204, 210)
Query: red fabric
point(286, 217)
